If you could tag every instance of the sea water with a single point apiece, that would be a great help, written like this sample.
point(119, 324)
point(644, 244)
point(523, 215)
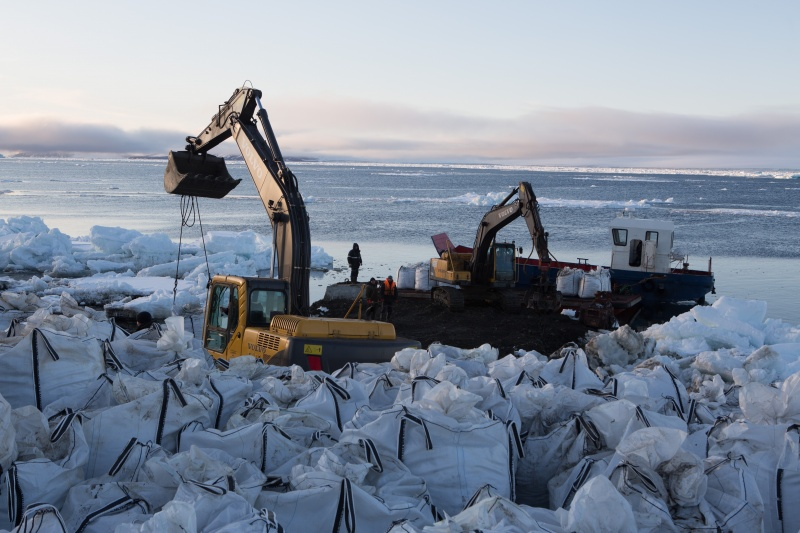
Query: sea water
point(746, 224)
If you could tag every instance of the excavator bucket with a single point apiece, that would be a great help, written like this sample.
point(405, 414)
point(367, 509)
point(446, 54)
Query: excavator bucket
point(198, 175)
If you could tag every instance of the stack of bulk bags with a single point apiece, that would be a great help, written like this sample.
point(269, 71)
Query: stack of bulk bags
point(595, 281)
point(568, 282)
point(406, 277)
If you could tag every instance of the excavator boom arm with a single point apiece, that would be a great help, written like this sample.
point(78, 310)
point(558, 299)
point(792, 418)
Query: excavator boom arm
point(276, 184)
point(498, 217)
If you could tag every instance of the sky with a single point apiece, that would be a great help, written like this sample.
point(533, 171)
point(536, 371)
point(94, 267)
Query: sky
point(628, 83)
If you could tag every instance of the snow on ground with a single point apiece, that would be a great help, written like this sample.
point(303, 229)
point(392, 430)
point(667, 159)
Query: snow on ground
point(689, 425)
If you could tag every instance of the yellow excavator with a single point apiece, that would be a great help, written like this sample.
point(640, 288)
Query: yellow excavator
point(487, 273)
point(267, 317)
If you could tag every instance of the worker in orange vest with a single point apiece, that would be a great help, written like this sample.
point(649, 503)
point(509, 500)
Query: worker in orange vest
point(389, 296)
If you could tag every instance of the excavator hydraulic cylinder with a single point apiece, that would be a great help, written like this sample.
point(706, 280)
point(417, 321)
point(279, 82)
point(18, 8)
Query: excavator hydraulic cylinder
point(202, 175)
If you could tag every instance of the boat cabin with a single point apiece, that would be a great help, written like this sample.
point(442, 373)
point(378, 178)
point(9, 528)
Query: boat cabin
point(641, 245)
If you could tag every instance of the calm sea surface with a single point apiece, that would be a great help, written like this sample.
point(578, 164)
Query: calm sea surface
point(747, 222)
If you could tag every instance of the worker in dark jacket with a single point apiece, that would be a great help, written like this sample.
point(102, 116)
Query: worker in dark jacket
point(354, 260)
point(373, 296)
point(389, 296)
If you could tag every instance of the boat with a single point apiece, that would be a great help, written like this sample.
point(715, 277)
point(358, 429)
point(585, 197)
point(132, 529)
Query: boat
point(643, 262)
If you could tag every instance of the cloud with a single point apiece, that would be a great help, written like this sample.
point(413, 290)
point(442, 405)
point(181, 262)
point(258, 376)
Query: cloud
point(342, 129)
point(50, 135)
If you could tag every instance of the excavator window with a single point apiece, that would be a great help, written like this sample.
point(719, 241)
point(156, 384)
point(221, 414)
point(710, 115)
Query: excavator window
point(264, 304)
point(504, 263)
point(222, 313)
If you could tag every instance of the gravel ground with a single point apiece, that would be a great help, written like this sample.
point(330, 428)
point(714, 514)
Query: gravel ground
point(420, 320)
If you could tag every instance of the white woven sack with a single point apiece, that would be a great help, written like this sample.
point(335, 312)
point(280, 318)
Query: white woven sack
point(100, 507)
point(548, 455)
point(48, 479)
point(656, 389)
point(591, 284)
point(568, 281)
point(455, 459)
point(571, 370)
point(229, 393)
point(41, 517)
point(335, 400)
point(563, 486)
point(733, 495)
point(645, 492)
point(422, 280)
point(157, 417)
point(340, 505)
point(263, 444)
point(46, 365)
point(406, 277)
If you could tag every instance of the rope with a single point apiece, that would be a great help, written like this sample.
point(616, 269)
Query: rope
point(190, 213)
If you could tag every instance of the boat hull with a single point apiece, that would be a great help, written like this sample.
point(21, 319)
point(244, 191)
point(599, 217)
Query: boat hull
point(678, 285)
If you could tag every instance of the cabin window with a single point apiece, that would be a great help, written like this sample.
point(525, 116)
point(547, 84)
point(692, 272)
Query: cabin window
point(651, 236)
point(219, 314)
point(233, 314)
point(635, 256)
point(504, 263)
point(620, 236)
point(264, 304)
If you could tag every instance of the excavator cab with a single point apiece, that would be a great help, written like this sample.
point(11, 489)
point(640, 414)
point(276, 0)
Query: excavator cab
point(505, 265)
point(202, 175)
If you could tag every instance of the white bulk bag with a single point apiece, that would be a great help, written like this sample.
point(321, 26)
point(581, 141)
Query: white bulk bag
point(788, 482)
point(46, 365)
point(455, 459)
point(157, 417)
point(48, 479)
point(130, 462)
point(422, 280)
point(733, 495)
point(406, 277)
point(229, 393)
point(568, 281)
point(563, 486)
point(591, 284)
point(571, 370)
point(217, 508)
point(8, 443)
point(548, 455)
point(644, 490)
point(597, 506)
point(40, 517)
point(100, 507)
point(263, 444)
point(341, 505)
point(335, 400)
point(656, 389)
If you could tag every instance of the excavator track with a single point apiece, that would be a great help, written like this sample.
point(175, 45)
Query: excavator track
point(449, 297)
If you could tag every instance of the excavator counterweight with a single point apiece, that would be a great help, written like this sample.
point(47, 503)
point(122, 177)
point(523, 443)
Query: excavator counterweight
point(202, 175)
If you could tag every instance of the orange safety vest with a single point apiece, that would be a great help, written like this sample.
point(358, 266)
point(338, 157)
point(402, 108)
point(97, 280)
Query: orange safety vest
point(389, 288)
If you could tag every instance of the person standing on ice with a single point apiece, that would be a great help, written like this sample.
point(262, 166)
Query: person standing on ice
point(354, 260)
point(389, 296)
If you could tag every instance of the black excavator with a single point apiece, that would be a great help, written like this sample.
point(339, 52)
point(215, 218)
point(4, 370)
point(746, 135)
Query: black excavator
point(487, 274)
point(267, 317)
